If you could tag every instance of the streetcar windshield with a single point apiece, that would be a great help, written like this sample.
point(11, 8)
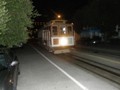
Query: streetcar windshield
point(54, 30)
point(70, 31)
point(63, 30)
point(66, 30)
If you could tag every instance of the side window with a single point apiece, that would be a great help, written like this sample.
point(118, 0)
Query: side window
point(70, 31)
point(54, 30)
point(11, 55)
point(2, 60)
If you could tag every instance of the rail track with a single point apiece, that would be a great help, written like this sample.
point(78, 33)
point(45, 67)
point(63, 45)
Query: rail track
point(107, 72)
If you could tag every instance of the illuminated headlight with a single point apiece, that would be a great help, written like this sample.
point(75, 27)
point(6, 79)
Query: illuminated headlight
point(63, 41)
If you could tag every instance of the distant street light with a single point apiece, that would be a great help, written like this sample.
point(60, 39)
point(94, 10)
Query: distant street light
point(58, 16)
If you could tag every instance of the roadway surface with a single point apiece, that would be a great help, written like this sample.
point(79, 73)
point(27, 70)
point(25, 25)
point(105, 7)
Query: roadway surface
point(41, 70)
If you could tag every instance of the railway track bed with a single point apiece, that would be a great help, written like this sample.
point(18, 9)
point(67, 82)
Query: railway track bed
point(104, 71)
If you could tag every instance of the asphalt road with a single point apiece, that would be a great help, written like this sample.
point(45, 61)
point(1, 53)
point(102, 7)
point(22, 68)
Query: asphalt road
point(41, 70)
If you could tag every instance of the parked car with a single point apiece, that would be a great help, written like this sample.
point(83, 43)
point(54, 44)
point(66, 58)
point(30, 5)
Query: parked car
point(9, 70)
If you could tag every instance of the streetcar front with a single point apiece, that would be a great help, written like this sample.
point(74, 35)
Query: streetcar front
point(62, 34)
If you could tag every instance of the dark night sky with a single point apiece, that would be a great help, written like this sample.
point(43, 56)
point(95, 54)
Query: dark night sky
point(66, 7)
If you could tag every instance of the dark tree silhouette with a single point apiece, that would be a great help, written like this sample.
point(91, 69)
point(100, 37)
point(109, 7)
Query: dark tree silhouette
point(104, 14)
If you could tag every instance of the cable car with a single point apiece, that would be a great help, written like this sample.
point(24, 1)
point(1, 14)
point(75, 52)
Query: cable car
point(57, 36)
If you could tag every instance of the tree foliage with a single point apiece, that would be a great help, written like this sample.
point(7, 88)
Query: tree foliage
point(16, 15)
point(4, 18)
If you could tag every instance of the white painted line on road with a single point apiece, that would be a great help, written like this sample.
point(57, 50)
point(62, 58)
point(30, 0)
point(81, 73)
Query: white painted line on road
point(64, 72)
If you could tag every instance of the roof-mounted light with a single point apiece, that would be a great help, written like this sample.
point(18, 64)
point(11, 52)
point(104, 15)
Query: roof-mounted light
point(58, 16)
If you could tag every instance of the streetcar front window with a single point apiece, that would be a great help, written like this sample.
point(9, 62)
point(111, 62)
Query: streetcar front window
point(63, 31)
point(54, 30)
point(70, 31)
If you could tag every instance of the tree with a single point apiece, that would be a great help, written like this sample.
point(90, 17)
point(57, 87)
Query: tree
point(99, 13)
point(20, 12)
point(4, 18)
